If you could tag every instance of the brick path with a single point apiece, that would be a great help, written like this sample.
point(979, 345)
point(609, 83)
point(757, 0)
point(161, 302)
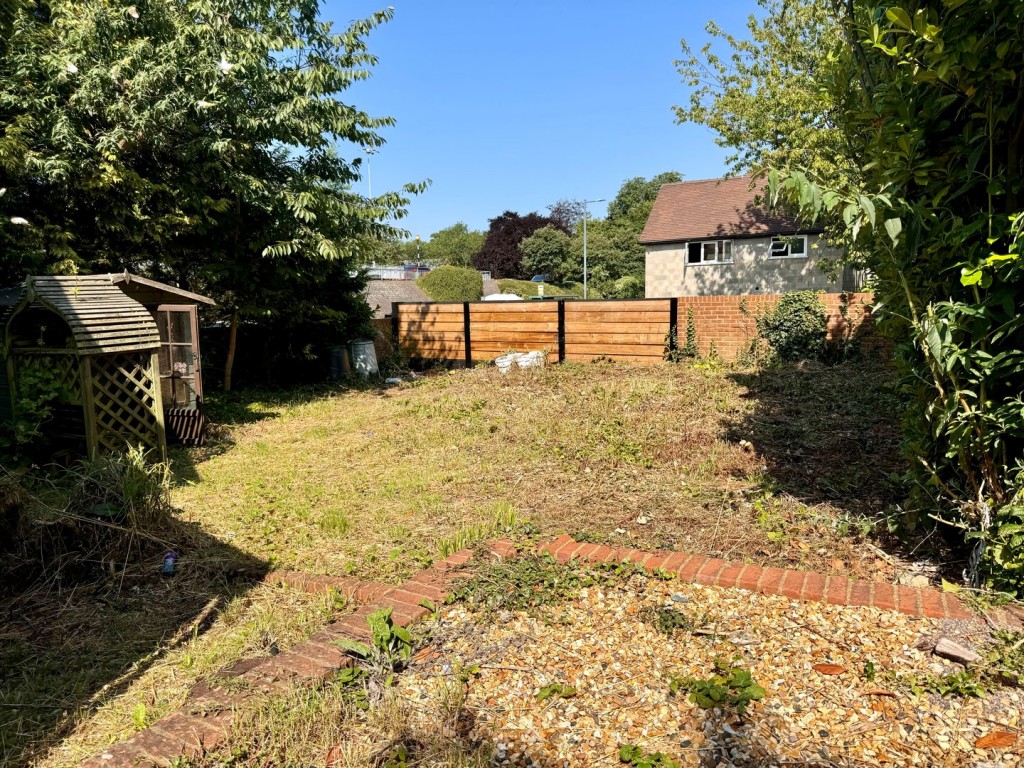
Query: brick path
point(203, 722)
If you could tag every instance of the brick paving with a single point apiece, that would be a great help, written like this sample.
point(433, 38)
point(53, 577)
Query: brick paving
point(204, 721)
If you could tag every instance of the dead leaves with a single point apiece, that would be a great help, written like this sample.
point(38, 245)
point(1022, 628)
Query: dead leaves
point(829, 669)
point(996, 740)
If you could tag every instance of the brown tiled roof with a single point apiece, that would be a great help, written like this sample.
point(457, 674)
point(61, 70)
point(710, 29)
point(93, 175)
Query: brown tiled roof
point(380, 294)
point(691, 210)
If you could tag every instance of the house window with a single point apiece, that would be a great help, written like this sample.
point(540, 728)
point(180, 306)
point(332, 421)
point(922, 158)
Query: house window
point(709, 252)
point(792, 247)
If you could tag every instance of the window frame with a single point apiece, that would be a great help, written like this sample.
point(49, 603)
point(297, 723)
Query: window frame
point(719, 248)
point(162, 315)
point(787, 254)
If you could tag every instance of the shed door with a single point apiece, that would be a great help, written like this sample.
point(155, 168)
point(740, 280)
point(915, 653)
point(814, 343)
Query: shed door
point(181, 384)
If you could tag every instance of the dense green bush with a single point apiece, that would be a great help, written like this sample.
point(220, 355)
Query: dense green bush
point(795, 327)
point(452, 284)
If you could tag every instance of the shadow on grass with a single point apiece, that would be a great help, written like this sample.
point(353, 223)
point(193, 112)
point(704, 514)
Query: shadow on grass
point(77, 629)
point(827, 434)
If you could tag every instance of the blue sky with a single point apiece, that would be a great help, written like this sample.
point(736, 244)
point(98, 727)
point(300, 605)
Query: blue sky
point(514, 105)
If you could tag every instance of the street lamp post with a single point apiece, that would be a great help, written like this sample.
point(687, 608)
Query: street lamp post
point(586, 213)
point(369, 181)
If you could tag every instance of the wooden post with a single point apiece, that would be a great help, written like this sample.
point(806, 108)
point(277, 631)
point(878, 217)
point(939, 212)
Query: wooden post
point(394, 324)
point(673, 323)
point(466, 337)
point(92, 438)
point(229, 362)
point(158, 406)
point(561, 330)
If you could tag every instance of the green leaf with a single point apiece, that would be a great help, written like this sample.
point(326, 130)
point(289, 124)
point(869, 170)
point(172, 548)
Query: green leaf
point(362, 650)
point(893, 227)
point(899, 17)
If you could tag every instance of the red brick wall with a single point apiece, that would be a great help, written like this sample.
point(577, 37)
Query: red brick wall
point(720, 319)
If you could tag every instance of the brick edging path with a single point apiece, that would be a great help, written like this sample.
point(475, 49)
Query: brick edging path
point(204, 721)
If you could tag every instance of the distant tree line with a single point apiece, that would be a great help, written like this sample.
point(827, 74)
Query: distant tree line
point(519, 246)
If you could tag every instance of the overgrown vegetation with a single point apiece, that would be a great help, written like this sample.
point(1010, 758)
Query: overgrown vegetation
point(794, 328)
point(452, 284)
point(521, 583)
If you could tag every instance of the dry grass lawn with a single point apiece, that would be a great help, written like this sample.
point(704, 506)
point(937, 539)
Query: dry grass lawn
point(782, 467)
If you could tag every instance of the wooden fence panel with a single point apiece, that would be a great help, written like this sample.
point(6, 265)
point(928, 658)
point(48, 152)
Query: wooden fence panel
point(497, 327)
point(431, 331)
point(620, 330)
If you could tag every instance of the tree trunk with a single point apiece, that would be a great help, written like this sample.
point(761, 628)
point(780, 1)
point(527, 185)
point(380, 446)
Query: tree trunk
point(229, 361)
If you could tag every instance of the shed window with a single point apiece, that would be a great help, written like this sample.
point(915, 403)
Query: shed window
point(180, 385)
point(792, 247)
point(709, 252)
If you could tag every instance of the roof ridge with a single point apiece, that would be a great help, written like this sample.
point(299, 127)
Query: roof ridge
point(705, 181)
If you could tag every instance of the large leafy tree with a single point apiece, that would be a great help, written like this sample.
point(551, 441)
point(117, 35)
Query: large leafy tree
point(200, 141)
point(454, 246)
point(547, 252)
point(500, 253)
point(761, 92)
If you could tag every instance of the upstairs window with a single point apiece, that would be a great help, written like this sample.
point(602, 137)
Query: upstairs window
point(792, 247)
point(709, 252)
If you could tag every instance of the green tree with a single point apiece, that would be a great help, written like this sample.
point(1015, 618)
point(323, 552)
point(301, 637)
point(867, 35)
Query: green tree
point(932, 125)
point(196, 141)
point(454, 246)
point(763, 97)
point(547, 252)
point(632, 204)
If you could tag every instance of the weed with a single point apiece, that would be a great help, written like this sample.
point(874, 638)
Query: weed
point(731, 687)
point(557, 691)
point(633, 755)
point(390, 648)
point(1002, 663)
point(520, 583)
point(668, 620)
point(868, 671)
point(505, 521)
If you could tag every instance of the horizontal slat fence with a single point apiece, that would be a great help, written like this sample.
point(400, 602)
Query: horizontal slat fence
point(635, 330)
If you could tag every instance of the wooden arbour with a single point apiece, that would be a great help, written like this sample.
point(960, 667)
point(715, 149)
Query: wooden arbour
point(102, 346)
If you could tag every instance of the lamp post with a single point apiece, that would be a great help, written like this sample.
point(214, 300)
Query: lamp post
point(369, 181)
point(586, 213)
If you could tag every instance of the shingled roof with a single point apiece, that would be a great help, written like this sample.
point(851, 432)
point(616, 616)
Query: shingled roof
point(695, 210)
point(381, 294)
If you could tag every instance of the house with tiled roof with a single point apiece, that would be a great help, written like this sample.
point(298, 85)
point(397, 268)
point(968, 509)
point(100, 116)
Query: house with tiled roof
point(711, 237)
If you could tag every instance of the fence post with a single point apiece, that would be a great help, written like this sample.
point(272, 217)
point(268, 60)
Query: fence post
point(467, 341)
point(561, 330)
point(394, 323)
point(673, 322)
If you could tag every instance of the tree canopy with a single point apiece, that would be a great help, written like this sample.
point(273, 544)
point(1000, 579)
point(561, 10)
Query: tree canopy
point(500, 253)
point(196, 141)
point(454, 246)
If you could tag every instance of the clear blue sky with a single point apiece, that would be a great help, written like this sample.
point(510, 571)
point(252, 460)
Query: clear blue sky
point(514, 105)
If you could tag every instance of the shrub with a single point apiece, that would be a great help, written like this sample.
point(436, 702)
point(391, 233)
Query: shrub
point(795, 328)
point(452, 284)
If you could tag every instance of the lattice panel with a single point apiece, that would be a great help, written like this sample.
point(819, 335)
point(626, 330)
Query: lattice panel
point(67, 366)
point(125, 388)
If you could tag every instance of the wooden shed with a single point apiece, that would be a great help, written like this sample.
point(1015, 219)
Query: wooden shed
point(112, 356)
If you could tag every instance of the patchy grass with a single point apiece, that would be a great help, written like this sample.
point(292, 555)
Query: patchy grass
point(379, 483)
point(784, 467)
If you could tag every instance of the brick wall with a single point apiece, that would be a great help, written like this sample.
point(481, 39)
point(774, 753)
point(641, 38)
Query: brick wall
point(721, 319)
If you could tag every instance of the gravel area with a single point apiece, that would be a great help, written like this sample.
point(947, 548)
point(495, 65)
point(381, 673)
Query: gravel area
point(605, 646)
